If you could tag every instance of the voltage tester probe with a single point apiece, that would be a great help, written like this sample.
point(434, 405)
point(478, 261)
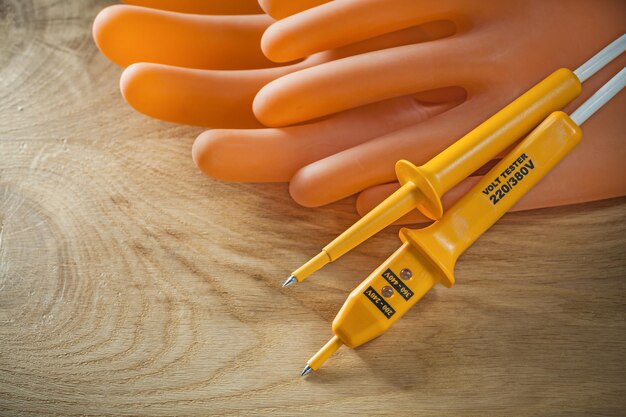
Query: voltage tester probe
point(428, 256)
point(422, 187)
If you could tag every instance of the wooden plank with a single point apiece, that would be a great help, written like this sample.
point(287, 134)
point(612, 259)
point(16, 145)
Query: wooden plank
point(132, 284)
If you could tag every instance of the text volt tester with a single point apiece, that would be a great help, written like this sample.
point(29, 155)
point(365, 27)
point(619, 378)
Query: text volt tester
point(428, 255)
point(422, 187)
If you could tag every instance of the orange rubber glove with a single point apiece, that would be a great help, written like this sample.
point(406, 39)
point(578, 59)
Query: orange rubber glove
point(205, 69)
point(356, 149)
point(499, 50)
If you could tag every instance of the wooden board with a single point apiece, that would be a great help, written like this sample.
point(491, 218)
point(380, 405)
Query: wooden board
point(132, 284)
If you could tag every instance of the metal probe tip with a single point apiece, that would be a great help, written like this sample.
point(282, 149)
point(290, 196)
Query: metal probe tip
point(291, 280)
point(307, 370)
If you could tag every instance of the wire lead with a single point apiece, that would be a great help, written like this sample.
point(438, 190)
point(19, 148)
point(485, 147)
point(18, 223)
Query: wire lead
point(599, 60)
point(600, 98)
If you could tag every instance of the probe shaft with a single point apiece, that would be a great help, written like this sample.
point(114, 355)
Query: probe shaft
point(322, 355)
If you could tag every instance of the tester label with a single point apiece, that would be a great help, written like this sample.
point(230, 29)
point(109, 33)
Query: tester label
point(397, 283)
point(378, 301)
point(509, 178)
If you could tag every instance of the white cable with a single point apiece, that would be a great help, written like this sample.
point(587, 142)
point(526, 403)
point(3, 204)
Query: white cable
point(599, 60)
point(600, 98)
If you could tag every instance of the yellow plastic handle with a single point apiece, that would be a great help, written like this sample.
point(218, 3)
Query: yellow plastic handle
point(423, 187)
point(490, 138)
point(381, 299)
point(428, 255)
point(444, 241)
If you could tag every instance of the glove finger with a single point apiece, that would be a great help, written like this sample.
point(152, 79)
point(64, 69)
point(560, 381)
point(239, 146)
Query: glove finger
point(196, 97)
point(416, 34)
point(339, 23)
point(223, 99)
point(372, 163)
point(130, 34)
point(279, 9)
point(274, 155)
point(339, 85)
point(214, 7)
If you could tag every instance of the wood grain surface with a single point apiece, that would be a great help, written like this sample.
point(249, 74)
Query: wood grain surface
point(130, 284)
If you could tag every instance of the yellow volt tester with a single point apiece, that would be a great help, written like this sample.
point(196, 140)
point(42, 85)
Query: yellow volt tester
point(422, 187)
point(428, 256)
